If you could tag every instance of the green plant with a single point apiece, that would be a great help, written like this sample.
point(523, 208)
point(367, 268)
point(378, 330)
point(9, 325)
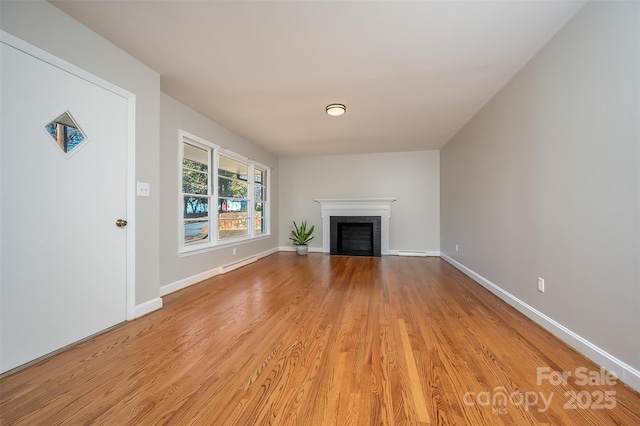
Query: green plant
point(301, 236)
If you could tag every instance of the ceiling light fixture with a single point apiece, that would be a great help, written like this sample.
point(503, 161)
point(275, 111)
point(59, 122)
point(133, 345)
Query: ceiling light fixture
point(335, 110)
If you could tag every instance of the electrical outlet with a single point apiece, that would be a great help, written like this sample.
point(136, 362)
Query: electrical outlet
point(456, 247)
point(234, 252)
point(541, 285)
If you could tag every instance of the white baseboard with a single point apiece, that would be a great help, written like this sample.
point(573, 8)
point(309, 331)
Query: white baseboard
point(293, 248)
point(147, 307)
point(391, 252)
point(267, 252)
point(186, 282)
point(626, 373)
point(239, 264)
point(194, 279)
point(414, 253)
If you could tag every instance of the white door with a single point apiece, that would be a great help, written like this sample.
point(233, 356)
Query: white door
point(63, 259)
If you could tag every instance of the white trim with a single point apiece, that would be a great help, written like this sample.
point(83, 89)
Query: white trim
point(148, 307)
point(267, 252)
point(193, 140)
point(53, 60)
point(131, 208)
point(391, 252)
point(293, 248)
point(357, 201)
point(239, 264)
point(194, 279)
point(355, 207)
point(415, 253)
point(226, 152)
point(625, 372)
point(189, 281)
point(226, 245)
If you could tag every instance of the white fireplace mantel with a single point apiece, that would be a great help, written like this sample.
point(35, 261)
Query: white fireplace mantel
point(355, 207)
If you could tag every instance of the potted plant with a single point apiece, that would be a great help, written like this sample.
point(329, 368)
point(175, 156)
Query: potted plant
point(301, 237)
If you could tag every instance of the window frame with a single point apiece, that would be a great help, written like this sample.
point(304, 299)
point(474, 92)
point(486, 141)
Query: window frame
point(208, 195)
point(214, 242)
point(265, 197)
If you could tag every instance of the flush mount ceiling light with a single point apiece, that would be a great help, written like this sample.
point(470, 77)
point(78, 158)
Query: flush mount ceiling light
point(336, 109)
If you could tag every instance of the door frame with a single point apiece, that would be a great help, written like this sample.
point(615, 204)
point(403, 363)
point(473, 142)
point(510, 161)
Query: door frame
point(36, 52)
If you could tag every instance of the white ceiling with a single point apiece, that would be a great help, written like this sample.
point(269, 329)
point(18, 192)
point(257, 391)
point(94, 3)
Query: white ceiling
point(410, 73)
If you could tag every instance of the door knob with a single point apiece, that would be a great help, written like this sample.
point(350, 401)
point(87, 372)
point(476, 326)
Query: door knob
point(121, 223)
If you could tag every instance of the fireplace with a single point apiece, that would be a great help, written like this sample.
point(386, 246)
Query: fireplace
point(372, 213)
point(355, 235)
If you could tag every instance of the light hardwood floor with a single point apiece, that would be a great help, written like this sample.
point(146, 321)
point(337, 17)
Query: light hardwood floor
point(321, 340)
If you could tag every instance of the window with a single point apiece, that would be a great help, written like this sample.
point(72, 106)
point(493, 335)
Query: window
point(233, 198)
point(260, 188)
point(237, 185)
point(196, 193)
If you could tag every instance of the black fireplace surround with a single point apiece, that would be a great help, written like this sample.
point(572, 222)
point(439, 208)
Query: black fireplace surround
point(355, 235)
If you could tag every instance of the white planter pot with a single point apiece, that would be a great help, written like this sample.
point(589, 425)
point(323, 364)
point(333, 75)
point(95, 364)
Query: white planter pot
point(302, 250)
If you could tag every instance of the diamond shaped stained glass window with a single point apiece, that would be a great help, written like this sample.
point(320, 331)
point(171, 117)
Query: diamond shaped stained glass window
point(65, 132)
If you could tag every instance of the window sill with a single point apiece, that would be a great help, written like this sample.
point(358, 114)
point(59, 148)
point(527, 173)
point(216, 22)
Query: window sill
point(204, 248)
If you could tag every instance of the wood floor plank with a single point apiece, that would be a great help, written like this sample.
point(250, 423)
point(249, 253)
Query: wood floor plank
point(320, 340)
point(414, 379)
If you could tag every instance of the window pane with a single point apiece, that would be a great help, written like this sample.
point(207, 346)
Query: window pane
point(194, 182)
point(260, 176)
point(232, 168)
point(65, 132)
point(195, 158)
point(196, 207)
point(195, 170)
point(232, 206)
point(233, 223)
point(259, 219)
point(259, 192)
point(196, 231)
point(231, 188)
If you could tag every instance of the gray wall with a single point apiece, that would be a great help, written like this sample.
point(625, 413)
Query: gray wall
point(411, 177)
point(176, 116)
point(545, 181)
point(46, 27)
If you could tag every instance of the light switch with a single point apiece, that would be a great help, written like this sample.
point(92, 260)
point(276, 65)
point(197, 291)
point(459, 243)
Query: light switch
point(143, 189)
